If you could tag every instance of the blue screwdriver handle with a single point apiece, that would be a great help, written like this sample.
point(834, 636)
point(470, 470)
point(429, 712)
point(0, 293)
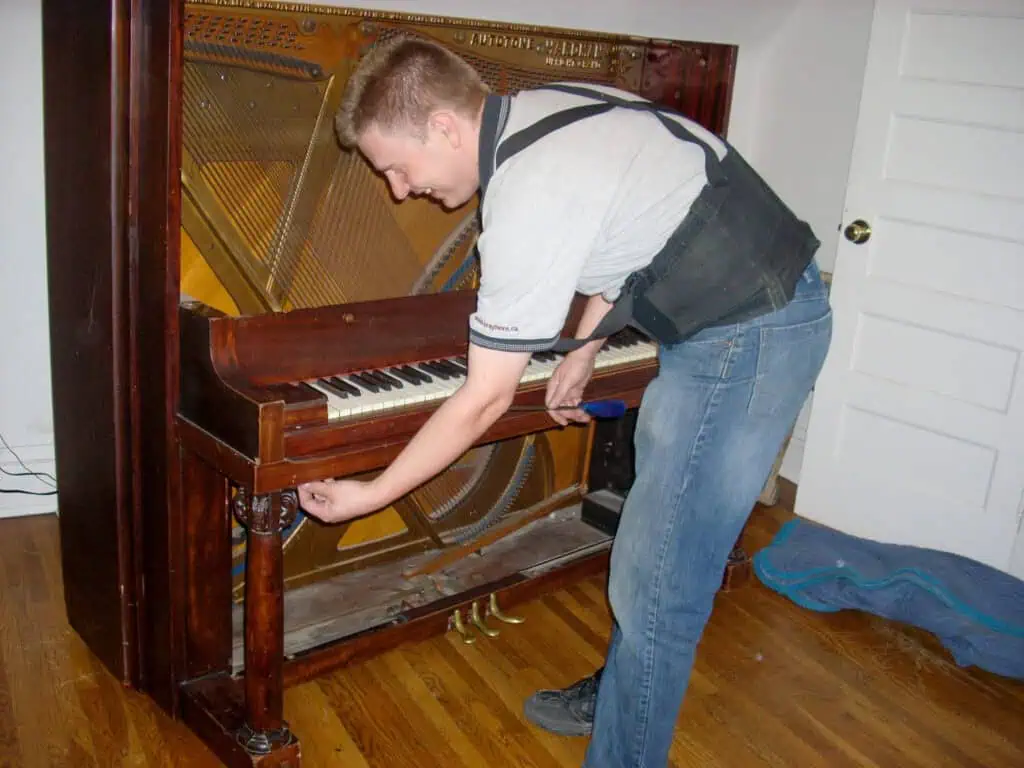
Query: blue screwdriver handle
point(604, 409)
point(599, 409)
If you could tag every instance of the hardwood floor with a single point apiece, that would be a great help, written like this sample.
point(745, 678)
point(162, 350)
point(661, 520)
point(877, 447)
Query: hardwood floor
point(774, 685)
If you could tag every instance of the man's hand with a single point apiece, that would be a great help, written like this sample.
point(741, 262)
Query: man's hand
point(566, 385)
point(334, 501)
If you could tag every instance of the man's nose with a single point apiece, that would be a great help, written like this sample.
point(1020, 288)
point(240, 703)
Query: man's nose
point(399, 188)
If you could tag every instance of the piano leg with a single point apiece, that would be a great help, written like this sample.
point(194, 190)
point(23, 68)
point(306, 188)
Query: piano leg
point(264, 730)
point(239, 718)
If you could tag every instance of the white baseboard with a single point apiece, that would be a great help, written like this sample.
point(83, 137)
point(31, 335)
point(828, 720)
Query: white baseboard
point(37, 458)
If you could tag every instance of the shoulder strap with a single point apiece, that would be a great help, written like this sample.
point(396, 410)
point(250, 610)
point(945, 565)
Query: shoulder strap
point(492, 125)
point(527, 136)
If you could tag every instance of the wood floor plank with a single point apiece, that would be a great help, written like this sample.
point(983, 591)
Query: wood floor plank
point(829, 683)
point(325, 740)
point(416, 689)
point(472, 714)
point(774, 685)
point(10, 750)
point(510, 692)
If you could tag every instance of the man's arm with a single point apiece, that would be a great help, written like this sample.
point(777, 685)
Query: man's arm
point(572, 375)
point(490, 385)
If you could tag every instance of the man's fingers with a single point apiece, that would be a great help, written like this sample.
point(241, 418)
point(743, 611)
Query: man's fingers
point(312, 506)
point(554, 394)
point(316, 488)
point(578, 415)
point(314, 498)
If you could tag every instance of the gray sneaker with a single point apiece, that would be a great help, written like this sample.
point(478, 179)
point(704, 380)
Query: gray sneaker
point(568, 712)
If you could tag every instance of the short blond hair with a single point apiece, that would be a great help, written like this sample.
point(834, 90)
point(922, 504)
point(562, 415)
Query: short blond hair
point(400, 82)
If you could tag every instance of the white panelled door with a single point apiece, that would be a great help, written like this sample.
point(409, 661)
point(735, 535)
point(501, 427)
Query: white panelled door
point(917, 431)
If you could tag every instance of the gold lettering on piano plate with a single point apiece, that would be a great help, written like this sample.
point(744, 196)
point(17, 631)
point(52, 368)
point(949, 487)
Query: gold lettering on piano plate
point(568, 63)
point(566, 54)
point(490, 40)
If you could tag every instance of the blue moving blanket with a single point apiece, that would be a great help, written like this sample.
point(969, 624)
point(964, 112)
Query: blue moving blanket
point(976, 611)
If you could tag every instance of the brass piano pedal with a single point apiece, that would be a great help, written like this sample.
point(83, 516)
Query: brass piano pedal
point(479, 622)
point(495, 611)
point(462, 629)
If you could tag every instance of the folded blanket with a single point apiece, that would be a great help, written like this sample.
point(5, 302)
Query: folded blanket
point(976, 611)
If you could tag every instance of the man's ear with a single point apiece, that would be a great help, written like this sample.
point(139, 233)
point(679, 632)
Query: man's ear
point(445, 124)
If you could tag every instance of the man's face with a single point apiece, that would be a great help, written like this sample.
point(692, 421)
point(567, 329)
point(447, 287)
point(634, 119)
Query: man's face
point(436, 163)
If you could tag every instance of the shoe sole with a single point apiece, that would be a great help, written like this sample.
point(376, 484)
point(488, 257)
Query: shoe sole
point(562, 729)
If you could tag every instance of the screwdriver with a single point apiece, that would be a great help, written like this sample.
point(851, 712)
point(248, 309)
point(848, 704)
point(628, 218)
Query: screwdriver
point(599, 409)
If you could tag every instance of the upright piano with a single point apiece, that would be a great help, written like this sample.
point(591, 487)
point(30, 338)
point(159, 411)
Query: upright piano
point(239, 306)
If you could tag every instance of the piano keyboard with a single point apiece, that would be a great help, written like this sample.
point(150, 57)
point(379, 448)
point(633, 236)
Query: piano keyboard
point(364, 392)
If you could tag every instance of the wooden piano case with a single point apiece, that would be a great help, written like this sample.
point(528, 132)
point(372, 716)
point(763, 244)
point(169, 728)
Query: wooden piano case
point(212, 252)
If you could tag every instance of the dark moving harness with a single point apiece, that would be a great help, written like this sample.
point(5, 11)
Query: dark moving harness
point(737, 254)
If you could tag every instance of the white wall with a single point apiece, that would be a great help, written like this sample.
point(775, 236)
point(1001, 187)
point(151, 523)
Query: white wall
point(25, 414)
point(793, 114)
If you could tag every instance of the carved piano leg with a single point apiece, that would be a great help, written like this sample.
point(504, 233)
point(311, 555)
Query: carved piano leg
point(264, 517)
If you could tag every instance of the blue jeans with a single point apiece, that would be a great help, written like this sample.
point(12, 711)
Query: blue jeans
point(708, 431)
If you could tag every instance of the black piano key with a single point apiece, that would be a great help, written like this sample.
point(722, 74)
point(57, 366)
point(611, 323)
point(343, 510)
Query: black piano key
point(381, 381)
point(334, 389)
point(348, 387)
point(437, 370)
point(361, 381)
point(408, 378)
point(632, 336)
point(451, 367)
point(416, 373)
point(460, 367)
point(395, 383)
point(461, 360)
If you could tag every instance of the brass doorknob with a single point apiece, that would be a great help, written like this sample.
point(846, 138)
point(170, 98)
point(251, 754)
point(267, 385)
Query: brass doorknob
point(858, 231)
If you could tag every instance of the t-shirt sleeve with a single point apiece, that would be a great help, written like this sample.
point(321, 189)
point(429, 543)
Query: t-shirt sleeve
point(534, 242)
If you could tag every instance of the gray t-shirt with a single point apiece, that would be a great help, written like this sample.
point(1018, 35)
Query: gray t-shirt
point(577, 211)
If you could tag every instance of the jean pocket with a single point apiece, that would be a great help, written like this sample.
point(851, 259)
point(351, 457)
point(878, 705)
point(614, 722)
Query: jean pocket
point(789, 360)
point(704, 357)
